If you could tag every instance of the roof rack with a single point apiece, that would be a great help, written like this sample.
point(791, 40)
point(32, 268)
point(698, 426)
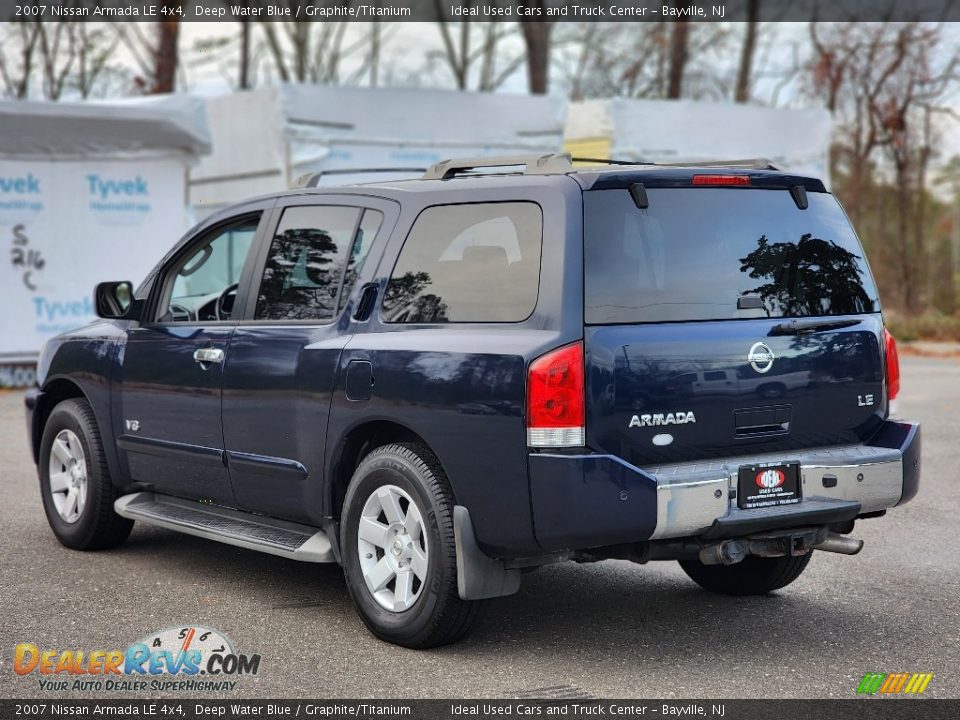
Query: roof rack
point(547, 164)
point(312, 180)
point(748, 164)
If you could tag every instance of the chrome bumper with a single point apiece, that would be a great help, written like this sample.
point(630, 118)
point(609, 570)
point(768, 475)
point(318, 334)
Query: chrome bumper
point(693, 497)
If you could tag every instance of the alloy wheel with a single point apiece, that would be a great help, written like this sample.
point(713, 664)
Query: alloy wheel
point(393, 550)
point(68, 476)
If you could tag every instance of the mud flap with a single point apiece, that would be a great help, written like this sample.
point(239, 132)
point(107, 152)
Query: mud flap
point(479, 577)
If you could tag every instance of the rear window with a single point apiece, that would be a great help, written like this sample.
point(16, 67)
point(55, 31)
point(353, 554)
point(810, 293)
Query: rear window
point(694, 252)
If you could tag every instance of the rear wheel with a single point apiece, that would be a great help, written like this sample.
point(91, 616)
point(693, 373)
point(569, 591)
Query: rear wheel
point(75, 483)
point(398, 550)
point(751, 576)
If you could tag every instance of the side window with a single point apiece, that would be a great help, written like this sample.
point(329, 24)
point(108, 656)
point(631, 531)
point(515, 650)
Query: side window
point(314, 247)
point(369, 227)
point(211, 270)
point(468, 263)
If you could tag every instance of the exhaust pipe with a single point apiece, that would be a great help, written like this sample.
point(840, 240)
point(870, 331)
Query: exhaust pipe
point(728, 552)
point(840, 544)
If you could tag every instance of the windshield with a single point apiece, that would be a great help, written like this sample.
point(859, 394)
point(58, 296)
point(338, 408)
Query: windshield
point(718, 254)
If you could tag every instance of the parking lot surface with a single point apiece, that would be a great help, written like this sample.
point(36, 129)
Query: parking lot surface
point(611, 629)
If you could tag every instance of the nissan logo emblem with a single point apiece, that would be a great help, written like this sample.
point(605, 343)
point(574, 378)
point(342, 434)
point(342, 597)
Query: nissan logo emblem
point(761, 357)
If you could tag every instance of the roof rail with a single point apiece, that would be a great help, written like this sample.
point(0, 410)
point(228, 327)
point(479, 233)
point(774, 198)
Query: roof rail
point(748, 164)
point(312, 180)
point(547, 164)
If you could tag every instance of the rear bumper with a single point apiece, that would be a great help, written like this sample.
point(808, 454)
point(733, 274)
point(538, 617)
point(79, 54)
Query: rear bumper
point(591, 500)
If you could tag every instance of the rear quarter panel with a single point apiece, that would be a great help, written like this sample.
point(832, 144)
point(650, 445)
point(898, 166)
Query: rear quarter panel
point(462, 386)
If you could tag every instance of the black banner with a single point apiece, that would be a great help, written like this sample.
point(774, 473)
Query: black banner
point(864, 709)
point(477, 10)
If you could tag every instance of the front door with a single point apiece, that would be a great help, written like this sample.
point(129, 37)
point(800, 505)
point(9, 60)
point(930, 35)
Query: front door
point(172, 366)
point(283, 359)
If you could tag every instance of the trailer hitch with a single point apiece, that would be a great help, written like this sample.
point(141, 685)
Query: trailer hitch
point(794, 542)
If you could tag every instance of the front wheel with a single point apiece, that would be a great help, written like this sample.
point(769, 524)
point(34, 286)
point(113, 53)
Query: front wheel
point(398, 550)
point(751, 576)
point(75, 483)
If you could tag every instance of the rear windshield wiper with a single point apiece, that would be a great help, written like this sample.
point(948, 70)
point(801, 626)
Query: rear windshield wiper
point(797, 327)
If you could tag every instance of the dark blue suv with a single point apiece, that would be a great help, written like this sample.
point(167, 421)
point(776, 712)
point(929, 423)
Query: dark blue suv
point(440, 383)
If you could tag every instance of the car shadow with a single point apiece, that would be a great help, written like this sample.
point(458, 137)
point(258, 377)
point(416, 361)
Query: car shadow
point(653, 616)
point(603, 612)
point(283, 582)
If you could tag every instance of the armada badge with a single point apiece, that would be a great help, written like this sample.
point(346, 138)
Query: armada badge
point(655, 419)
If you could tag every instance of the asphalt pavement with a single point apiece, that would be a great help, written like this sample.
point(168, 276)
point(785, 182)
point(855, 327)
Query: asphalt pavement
point(611, 629)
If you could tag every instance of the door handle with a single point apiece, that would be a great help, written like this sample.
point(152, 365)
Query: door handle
point(368, 298)
point(208, 355)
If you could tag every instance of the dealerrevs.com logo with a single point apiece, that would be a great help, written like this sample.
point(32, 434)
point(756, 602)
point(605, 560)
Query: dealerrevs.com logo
point(191, 659)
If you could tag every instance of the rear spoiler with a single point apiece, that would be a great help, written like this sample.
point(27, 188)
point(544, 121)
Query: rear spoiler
point(683, 177)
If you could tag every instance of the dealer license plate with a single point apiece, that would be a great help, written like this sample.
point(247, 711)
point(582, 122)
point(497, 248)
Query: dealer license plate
point(768, 485)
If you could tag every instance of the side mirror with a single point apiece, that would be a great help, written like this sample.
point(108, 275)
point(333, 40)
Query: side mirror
point(115, 301)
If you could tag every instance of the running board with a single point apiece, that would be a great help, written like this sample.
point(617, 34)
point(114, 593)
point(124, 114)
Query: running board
point(233, 527)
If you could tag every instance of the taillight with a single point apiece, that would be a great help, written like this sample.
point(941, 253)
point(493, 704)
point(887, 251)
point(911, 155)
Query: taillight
point(721, 179)
point(555, 402)
point(893, 365)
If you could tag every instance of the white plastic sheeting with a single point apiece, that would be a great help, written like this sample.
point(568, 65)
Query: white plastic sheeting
point(88, 193)
point(165, 126)
point(265, 139)
point(670, 131)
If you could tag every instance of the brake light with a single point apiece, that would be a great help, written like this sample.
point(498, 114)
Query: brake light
point(555, 402)
point(893, 365)
point(721, 179)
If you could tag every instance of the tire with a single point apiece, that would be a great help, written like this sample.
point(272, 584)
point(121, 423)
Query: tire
point(90, 524)
point(751, 576)
point(408, 595)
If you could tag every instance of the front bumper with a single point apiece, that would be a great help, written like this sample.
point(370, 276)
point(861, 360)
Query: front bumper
point(31, 404)
point(592, 500)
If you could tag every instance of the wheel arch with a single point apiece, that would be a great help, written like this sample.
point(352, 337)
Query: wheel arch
point(356, 444)
point(54, 392)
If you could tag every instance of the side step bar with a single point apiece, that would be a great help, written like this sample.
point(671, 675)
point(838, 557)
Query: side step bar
point(233, 527)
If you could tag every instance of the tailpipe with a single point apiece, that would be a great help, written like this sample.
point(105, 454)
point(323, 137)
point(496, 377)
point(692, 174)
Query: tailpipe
point(842, 544)
point(728, 552)
point(779, 544)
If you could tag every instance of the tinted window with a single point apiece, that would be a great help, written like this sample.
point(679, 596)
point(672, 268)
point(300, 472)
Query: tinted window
point(306, 263)
point(468, 263)
point(369, 226)
point(695, 251)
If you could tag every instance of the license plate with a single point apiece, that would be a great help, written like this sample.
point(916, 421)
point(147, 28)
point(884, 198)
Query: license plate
point(768, 485)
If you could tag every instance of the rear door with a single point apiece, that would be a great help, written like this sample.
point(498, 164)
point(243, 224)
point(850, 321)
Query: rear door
point(281, 367)
point(724, 321)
